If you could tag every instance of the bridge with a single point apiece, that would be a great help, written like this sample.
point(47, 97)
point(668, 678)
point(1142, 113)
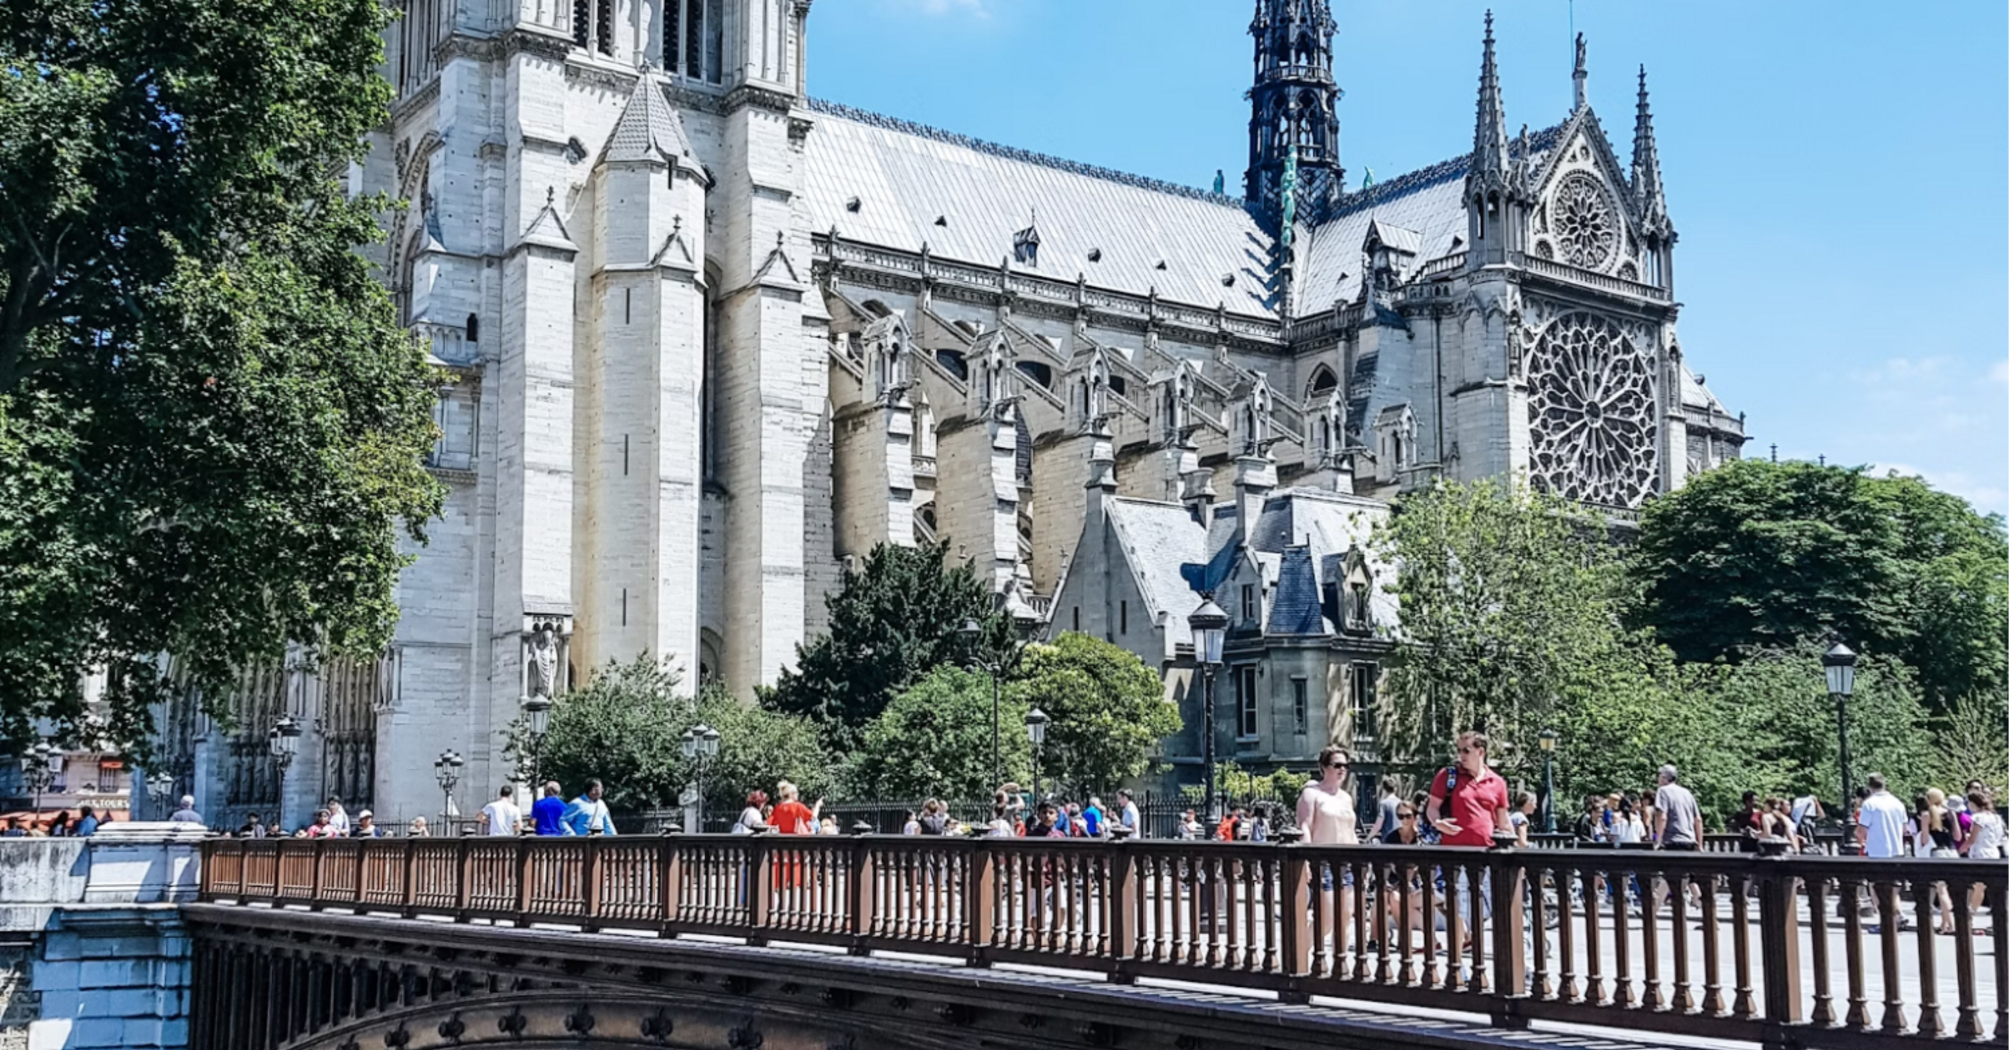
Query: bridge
point(868, 941)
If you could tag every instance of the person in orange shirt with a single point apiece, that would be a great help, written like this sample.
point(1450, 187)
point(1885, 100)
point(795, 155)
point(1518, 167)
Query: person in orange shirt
point(791, 816)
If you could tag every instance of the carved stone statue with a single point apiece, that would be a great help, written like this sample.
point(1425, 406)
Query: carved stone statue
point(541, 661)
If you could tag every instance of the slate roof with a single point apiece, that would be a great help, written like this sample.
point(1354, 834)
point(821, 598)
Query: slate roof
point(905, 176)
point(1696, 395)
point(1295, 608)
point(1156, 539)
point(1428, 202)
point(648, 129)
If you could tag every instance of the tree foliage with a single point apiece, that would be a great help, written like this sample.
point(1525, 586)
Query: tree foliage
point(934, 739)
point(211, 424)
point(1762, 556)
point(626, 729)
point(1507, 601)
point(891, 622)
point(1108, 711)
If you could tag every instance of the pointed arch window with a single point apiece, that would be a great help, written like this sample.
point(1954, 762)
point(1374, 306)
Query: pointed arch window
point(694, 38)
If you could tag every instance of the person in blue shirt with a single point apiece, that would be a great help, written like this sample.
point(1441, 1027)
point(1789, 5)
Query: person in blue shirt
point(1092, 815)
point(548, 813)
point(588, 815)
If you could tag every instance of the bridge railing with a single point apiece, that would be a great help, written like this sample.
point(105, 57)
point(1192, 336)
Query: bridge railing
point(1813, 951)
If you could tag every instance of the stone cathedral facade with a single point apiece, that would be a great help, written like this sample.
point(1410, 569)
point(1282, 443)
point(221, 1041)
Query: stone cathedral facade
point(711, 337)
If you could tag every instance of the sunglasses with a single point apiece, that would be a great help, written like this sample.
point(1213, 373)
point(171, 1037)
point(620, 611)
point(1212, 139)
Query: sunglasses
point(1406, 816)
point(1336, 765)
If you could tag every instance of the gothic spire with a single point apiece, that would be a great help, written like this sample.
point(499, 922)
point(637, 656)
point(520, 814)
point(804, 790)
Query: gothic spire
point(1292, 105)
point(1647, 193)
point(1490, 164)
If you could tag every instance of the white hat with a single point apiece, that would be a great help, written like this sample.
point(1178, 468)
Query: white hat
point(365, 815)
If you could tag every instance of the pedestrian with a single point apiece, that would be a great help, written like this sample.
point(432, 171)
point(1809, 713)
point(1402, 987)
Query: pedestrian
point(1127, 816)
point(1001, 826)
point(14, 829)
point(1943, 835)
point(60, 826)
point(1047, 822)
point(501, 817)
point(417, 829)
point(933, 819)
point(366, 826)
point(1406, 832)
point(337, 816)
point(1880, 825)
point(1468, 799)
point(87, 822)
point(1518, 818)
point(1190, 829)
point(251, 828)
point(1805, 811)
point(547, 814)
point(1325, 807)
point(1590, 823)
point(322, 828)
point(829, 826)
point(1230, 827)
point(1985, 827)
point(186, 814)
point(588, 815)
point(1626, 827)
point(1678, 822)
point(752, 821)
point(791, 816)
point(1748, 823)
point(1385, 811)
point(1092, 817)
point(912, 825)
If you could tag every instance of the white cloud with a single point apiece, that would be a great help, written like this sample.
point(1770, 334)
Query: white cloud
point(2000, 372)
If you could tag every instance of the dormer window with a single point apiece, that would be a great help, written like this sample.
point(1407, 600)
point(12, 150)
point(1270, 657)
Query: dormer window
point(1026, 246)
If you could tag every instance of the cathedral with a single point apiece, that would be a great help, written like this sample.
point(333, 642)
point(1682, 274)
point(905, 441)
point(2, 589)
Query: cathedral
point(710, 337)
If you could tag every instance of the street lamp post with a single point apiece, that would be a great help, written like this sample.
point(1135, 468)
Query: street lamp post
point(38, 770)
point(701, 742)
point(447, 771)
point(1209, 625)
point(1024, 620)
point(1840, 664)
point(160, 788)
point(1548, 740)
point(1036, 733)
point(282, 742)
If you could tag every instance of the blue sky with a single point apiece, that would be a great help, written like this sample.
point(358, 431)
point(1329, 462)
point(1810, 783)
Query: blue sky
point(1837, 171)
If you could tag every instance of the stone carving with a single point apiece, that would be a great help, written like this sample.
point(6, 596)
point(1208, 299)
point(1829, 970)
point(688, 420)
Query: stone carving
point(1591, 413)
point(1587, 228)
point(541, 661)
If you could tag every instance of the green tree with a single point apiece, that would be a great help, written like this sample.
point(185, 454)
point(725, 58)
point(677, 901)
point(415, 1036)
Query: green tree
point(891, 622)
point(757, 748)
point(934, 739)
point(1762, 556)
point(1508, 602)
point(211, 424)
point(626, 729)
point(1108, 710)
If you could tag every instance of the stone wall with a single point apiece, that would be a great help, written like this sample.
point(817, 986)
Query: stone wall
point(93, 953)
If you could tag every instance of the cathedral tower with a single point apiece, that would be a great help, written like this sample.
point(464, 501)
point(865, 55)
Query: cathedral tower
point(1292, 104)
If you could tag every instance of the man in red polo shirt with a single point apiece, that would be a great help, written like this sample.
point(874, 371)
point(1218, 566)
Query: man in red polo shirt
point(1468, 800)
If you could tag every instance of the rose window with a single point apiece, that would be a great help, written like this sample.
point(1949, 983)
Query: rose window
point(1591, 414)
point(1587, 230)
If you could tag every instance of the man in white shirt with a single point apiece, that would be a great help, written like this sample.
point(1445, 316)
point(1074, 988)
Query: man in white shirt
point(501, 817)
point(1880, 825)
point(1127, 817)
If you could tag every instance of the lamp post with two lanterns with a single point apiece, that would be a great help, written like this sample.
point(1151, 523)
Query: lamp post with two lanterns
point(282, 742)
point(1209, 626)
point(447, 773)
point(1024, 621)
point(38, 769)
point(701, 745)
